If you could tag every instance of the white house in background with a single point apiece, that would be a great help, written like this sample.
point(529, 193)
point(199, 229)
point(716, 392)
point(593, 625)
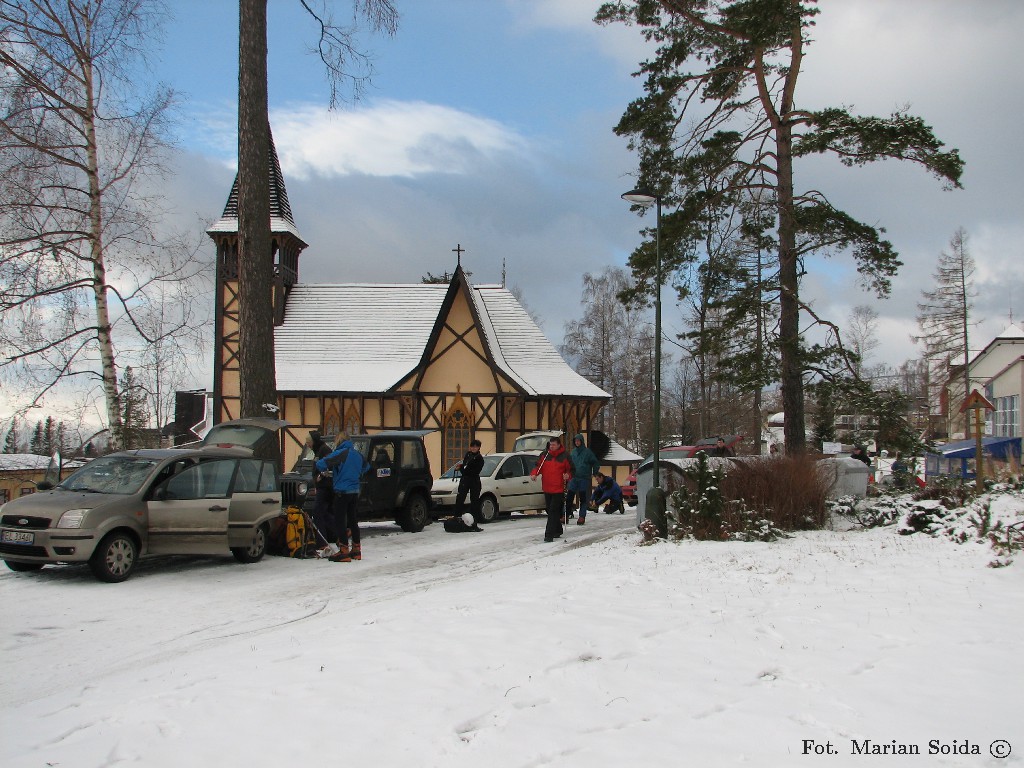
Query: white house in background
point(1004, 390)
point(997, 371)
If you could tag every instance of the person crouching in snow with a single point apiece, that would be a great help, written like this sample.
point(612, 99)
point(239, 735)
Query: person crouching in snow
point(554, 470)
point(608, 491)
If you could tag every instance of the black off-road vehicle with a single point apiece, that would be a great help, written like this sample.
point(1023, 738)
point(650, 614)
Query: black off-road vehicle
point(396, 487)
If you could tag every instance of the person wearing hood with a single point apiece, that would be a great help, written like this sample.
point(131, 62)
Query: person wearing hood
point(584, 465)
point(347, 466)
point(323, 483)
point(554, 470)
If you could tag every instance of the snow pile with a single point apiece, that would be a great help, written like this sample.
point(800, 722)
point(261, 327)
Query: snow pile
point(497, 649)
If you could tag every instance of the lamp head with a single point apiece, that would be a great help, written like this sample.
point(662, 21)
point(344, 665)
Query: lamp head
point(640, 197)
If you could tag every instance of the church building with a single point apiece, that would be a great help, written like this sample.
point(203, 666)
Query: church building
point(465, 361)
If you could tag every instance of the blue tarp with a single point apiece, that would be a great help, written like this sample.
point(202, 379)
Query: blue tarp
point(952, 458)
point(996, 447)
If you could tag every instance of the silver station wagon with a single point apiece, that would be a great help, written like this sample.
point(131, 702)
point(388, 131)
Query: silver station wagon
point(505, 487)
point(216, 498)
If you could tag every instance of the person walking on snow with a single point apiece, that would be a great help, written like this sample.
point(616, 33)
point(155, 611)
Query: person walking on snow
point(554, 470)
point(584, 464)
point(348, 466)
point(470, 467)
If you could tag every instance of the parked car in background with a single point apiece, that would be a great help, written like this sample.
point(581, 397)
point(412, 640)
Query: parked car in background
point(397, 487)
point(505, 487)
point(217, 498)
point(629, 489)
point(536, 442)
point(732, 442)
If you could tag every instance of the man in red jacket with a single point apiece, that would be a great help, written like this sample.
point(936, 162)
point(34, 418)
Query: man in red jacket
point(555, 470)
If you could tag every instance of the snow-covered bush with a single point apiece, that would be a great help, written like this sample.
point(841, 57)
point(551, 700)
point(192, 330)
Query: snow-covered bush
point(749, 500)
point(976, 520)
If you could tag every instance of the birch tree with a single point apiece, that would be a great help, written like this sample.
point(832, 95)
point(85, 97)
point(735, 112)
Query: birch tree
point(79, 240)
point(608, 347)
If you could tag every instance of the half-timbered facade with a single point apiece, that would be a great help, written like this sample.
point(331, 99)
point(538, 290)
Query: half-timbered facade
point(466, 361)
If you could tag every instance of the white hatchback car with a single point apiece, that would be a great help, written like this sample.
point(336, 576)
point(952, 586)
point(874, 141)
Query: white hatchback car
point(505, 487)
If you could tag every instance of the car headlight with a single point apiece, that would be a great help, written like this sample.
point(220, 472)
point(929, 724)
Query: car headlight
point(302, 488)
point(72, 518)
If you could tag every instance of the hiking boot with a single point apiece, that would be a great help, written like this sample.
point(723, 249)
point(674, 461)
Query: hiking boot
point(356, 552)
point(581, 521)
point(341, 556)
point(548, 541)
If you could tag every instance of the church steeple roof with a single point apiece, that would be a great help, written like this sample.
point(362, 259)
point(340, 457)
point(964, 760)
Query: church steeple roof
point(280, 209)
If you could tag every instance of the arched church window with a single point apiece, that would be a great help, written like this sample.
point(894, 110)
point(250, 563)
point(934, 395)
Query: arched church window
point(332, 420)
point(353, 420)
point(458, 431)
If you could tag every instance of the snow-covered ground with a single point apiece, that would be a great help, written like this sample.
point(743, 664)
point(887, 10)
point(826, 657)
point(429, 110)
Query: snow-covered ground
point(495, 649)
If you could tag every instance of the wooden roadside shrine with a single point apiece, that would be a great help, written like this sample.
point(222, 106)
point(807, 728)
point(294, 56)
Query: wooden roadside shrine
point(978, 403)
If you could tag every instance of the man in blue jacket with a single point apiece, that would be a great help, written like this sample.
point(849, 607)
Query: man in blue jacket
point(608, 491)
point(348, 466)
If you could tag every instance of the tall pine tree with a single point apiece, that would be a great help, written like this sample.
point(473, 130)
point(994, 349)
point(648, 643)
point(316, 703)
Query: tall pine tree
point(721, 119)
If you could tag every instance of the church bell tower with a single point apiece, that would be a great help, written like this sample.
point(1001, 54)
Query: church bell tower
point(286, 245)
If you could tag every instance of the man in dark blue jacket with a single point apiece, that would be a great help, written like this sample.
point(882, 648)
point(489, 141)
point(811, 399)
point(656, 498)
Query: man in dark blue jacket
point(610, 491)
point(348, 466)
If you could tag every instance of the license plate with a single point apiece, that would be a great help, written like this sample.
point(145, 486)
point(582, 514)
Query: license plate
point(19, 537)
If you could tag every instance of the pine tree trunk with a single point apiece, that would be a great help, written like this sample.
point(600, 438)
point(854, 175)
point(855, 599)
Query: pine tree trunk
point(258, 381)
point(789, 304)
point(791, 376)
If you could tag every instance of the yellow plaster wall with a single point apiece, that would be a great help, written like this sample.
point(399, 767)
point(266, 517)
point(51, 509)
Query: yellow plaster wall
point(463, 363)
point(15, 481)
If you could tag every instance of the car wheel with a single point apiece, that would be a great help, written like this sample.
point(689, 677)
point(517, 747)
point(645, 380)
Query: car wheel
point(488, 509)
point(23, 567)
point(115, 557)
point(417, 512)
point(256, 549)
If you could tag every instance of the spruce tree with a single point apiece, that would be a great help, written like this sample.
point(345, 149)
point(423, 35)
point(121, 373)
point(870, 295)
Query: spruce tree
point(944, 314)
point(11, 439)
point(36, 445)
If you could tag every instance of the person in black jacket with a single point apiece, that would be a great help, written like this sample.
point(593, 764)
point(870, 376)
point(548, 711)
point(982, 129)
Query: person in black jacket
point(721, 449)
point(322, 482)
point(470, 467)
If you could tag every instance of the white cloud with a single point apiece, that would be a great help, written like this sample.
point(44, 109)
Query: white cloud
point(576, 18)
point(388, 138)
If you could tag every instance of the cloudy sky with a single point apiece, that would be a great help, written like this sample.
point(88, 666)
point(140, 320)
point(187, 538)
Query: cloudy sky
point(489, 125)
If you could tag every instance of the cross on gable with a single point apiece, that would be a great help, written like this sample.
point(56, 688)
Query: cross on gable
point(458, 250)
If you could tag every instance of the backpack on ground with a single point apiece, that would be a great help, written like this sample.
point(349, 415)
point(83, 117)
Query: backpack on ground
point(299, 538)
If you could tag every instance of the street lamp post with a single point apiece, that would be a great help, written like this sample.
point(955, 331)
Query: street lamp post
point(655, 505)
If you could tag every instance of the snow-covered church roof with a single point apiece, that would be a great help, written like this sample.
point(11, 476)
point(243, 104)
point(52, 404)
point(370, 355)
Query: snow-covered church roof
point(367, 337)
